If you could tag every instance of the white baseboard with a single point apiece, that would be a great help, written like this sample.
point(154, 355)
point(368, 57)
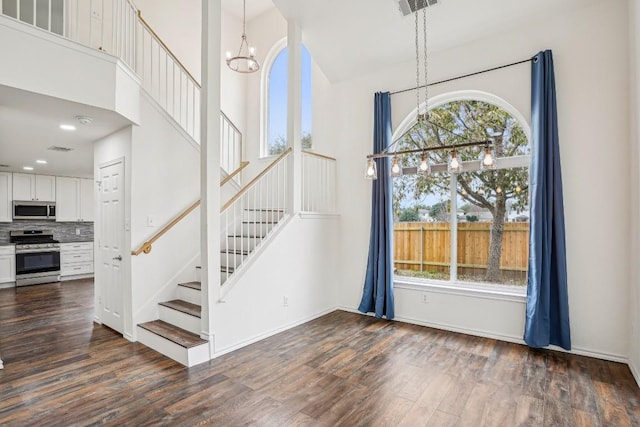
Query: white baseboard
point(501, 337)
point(272, 332)
point(7, 285)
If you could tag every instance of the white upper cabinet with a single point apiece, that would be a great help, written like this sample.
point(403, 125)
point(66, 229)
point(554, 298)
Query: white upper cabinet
point(34, 187)
point(86, 200)
point(74, 199)
point(6, 197)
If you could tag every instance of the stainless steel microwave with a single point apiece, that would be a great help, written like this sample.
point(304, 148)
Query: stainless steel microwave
point(34, 210)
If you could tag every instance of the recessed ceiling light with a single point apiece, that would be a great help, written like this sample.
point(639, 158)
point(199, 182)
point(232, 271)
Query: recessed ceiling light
point(42, 162)
point(67, 127)
point(27, 168)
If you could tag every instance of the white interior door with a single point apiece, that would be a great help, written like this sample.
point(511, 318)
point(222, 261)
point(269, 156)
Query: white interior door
point(111, 245)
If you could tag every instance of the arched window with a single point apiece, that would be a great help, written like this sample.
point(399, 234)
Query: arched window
point(275, 102)
point(471, 226)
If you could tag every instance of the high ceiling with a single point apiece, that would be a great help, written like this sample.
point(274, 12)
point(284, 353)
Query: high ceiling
point(344, 37)
point(347, 37)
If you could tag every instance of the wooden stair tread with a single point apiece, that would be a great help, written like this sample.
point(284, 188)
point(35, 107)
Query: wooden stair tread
point(235, 252)
point(264, 210)
point(224, 269)
point(192, 285)
point(183, 306)
point(172, 333)
point(246, 236)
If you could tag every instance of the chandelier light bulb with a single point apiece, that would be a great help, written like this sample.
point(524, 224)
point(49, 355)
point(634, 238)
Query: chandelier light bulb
point(228, 55)
point(424, 168)
point(488, 161)
point(454, 163)
point(396, 170)
point(252, 51)
point(371, 171)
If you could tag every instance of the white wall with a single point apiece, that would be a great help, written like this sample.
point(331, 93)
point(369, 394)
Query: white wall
point(592, 111)
point(299, 263)
point(165, 181)
point(36, 61)
point(179, 25)
point(113, 147)
point(634, 267)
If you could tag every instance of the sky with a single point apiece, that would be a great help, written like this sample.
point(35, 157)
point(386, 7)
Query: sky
point(278, 95)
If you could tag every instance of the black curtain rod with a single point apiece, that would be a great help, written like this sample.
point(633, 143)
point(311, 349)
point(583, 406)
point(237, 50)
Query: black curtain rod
point(464, 76)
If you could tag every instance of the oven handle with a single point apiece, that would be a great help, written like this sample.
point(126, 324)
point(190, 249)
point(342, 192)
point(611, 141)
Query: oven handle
point(36, 251)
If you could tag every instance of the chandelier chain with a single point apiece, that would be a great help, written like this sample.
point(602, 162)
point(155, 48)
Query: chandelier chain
point(415, 6)
point(426, 82)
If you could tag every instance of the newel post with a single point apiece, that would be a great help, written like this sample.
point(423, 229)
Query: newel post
point(294, 113)
point(210, 166)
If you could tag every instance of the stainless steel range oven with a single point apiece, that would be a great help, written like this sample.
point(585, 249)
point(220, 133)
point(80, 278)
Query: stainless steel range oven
point(37, 257)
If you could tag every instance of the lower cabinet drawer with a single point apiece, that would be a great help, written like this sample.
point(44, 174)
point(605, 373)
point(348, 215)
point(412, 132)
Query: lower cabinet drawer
point(76, 268)
point(76, 256)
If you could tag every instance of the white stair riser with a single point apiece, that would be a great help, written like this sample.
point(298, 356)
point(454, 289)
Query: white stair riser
point(185, 356)
point(254, 228)
point(262, 216)
point(180, 319)
point(193, 296)
point(241, 243)
point(231, 260)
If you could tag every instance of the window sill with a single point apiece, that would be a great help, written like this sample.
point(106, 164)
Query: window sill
point(476, 290)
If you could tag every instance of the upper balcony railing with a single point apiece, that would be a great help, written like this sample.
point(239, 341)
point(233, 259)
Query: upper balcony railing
point(117, 27)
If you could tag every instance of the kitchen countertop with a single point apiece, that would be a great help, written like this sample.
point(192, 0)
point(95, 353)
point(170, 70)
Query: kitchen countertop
point(76, 241)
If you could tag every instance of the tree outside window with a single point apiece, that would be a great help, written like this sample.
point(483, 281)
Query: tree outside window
point(482, 214)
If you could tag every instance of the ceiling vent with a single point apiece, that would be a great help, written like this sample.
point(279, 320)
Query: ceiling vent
point(407, 7)
point(61, 149)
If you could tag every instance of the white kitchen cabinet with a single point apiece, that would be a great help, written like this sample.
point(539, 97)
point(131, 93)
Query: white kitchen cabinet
point(34, 187)
point(76, 259)
point(7, 264)
point(86, 200)
point(74, 199)
point(6, 197)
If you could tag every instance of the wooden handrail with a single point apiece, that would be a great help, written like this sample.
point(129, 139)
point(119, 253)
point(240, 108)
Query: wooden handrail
point(175, 58)
point(234, 173)
point(146, 246)
point(254, 180)
point(322, 156)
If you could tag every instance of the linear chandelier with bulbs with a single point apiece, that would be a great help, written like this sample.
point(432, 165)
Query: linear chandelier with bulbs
point(454, 164)
point(424, 168)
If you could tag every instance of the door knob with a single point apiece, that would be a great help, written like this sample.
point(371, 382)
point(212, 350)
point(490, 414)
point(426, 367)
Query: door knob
point(118, 258)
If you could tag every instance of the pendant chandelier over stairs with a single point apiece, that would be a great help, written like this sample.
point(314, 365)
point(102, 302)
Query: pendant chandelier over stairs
point(245, 60)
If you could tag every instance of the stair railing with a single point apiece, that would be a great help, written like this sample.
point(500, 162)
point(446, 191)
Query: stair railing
point(249, 217)
point(118, 28)
point(318, 182)
point(148, 245)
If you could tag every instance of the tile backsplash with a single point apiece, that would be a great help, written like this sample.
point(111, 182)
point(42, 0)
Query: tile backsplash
point(63, 231)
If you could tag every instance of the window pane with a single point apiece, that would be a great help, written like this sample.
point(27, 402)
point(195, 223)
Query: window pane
point(306, 99)
point(422, 234)
point(277, 110)
point(493, 226)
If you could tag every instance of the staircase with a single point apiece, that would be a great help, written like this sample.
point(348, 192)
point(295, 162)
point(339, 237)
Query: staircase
point(176, 333)
point(256, 224)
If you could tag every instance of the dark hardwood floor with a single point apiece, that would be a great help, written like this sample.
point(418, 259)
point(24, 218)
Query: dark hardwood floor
point(342, 369)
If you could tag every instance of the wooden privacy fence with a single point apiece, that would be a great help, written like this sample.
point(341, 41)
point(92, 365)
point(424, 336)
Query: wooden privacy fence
point(426, 246)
